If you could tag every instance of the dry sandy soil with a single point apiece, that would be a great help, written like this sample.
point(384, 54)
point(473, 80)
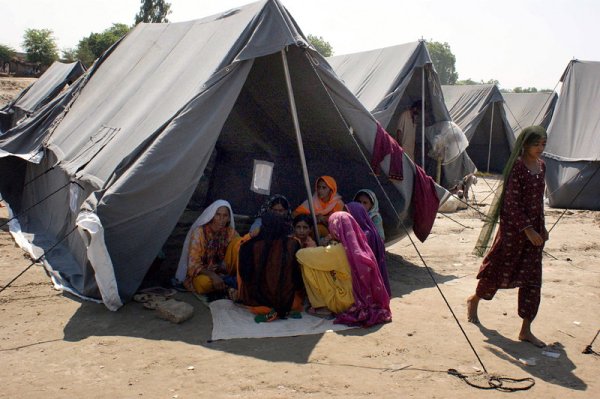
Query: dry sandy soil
point(11, 87)
point(56, 346)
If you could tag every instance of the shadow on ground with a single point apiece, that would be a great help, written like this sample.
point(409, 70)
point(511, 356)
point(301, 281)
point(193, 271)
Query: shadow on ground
point(133, 320)
point(553, 371)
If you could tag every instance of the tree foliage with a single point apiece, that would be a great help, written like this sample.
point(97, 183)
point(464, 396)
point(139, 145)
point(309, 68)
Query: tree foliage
point(443, 61)
point(470, 81)
point(525, 90)
point(322, 46)
point(69, 55)
point(153, 11)
point(6, 53)
point(40, 46)
point(93, 46)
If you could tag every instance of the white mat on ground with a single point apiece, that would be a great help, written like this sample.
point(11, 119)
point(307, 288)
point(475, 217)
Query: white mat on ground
point(231, 321)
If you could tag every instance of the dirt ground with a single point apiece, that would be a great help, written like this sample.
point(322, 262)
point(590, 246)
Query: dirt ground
point(57, 346)
point(11, 87)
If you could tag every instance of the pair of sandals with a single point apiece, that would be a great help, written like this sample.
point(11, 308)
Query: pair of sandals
point(272, 316)
point(150, 298)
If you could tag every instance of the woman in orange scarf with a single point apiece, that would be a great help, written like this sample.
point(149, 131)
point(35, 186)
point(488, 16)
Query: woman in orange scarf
point(325, 201)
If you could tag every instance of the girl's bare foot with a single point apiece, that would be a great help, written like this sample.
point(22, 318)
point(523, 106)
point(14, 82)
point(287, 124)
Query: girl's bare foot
point(526, 335)
point(472, 303)
point(529, 337)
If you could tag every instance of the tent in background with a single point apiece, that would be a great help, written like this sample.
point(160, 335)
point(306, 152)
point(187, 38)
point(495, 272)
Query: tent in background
point(388, 81)
point(527, 109)
point(572, 154)
point(478, 110)
point(171, 104)
point(40, 92)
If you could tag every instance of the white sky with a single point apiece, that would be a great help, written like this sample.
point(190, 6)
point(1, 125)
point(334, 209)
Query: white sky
point(525, 43)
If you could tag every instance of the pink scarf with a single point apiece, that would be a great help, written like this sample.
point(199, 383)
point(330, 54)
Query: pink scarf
point(371, 300)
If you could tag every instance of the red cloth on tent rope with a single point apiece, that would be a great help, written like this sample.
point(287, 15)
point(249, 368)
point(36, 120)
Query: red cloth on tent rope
point(425, 204)
point(384, 145)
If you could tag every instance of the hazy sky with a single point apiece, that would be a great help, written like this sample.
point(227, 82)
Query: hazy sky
point(518, 42)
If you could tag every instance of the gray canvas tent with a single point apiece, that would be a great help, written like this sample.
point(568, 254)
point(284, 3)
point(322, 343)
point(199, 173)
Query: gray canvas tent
point(125, 150)
point(389, 80)
point(527, 109)
point(572, 153)
point(479, 111)
point(40, 92)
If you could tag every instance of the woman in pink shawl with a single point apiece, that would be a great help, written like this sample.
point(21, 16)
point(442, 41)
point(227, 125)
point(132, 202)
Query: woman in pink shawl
point(374, 240)
point(371, 299)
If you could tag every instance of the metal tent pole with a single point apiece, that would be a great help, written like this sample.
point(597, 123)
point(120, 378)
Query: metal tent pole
point(423, 118)
point(290, 91)
point(490, 144)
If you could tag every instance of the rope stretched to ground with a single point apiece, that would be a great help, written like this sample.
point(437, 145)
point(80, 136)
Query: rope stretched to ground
point(497, 384)
point(37, 260)
point(494, 382)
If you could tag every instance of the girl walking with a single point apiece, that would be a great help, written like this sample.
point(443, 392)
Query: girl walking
point(515, 259)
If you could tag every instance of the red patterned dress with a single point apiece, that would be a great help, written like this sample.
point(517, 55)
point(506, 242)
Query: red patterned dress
point(513, 260)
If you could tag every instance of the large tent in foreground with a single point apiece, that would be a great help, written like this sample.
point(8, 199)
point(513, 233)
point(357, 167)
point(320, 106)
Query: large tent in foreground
point(40, 92)
point(479, 111)
point(573, 151)
point(527, 109)
point(388, 81)
point(123, 159)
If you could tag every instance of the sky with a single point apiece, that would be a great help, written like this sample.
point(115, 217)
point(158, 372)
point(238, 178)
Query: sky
point(520, 43)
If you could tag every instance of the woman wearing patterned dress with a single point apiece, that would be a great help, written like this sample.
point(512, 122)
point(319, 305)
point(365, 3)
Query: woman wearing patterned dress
point(515, 259)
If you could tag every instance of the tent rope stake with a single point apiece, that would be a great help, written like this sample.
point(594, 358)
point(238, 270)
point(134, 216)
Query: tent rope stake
point(588, 349)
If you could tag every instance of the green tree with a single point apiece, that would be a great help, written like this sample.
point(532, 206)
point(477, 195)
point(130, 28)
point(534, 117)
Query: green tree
point(93, 46)
point(153, 11)
point(525, 90)
point(40, 46)
point(467, 81)
point(6, 53)
point(322, 46)
point(470, 81)
point(69, 55)
point(443, 61)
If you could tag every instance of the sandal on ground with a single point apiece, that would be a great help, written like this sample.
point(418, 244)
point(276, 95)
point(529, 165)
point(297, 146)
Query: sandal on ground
point(265, 318)
point(294, 314)
point(320, 312)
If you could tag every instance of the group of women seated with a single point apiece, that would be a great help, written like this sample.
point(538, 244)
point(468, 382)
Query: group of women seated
point(277, 270)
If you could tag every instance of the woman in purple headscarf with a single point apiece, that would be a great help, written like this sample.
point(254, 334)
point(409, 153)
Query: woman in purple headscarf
point(371, 300)
point(344, 277)
point(374, 240)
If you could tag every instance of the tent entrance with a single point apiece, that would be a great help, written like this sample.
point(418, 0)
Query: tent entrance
point(260, 127)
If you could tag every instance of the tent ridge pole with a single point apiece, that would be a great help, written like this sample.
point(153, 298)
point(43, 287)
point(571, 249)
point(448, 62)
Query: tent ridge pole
point(294, 112)
point(490, 144)
point(423, 117)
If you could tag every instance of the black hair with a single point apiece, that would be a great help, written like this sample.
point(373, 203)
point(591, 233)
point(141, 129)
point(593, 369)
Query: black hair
point(303, 217)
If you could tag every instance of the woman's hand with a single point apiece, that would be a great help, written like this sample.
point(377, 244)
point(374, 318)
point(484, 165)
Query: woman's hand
point(217, 281)
point(254, 233)
point(534, 237)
